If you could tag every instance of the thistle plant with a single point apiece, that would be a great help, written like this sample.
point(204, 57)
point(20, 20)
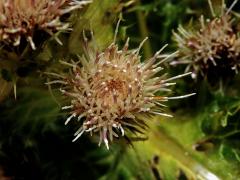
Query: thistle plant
point(112, 89)
point(21, 18)
point(104, 89)
point(213, 49)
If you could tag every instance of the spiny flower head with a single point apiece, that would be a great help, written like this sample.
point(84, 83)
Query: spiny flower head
point(109, 91)
point(214, 49)
point(19, 18)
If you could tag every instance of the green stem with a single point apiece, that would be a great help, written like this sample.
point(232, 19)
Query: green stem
point(228, 134)
point(144, 33)
point(168, 146)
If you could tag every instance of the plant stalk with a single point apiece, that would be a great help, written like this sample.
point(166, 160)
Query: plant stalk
point(144, 32)
point(168, 146)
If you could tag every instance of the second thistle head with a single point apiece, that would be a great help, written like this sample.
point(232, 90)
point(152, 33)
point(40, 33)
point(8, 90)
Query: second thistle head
point(212, 51)
point(20, 18)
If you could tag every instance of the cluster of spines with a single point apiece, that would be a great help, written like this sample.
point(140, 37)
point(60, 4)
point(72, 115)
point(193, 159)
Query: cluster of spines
point(20, 18)
point(113, 88)
point(216, 44)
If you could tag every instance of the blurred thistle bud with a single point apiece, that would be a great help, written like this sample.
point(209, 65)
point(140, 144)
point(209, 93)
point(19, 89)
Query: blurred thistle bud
point(213, 50)
point(110, 91)
point(20, 18)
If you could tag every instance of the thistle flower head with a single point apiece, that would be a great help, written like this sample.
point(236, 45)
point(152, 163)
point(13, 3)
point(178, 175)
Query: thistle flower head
point(19, 18)
point(214, 49)
point(110, 90)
